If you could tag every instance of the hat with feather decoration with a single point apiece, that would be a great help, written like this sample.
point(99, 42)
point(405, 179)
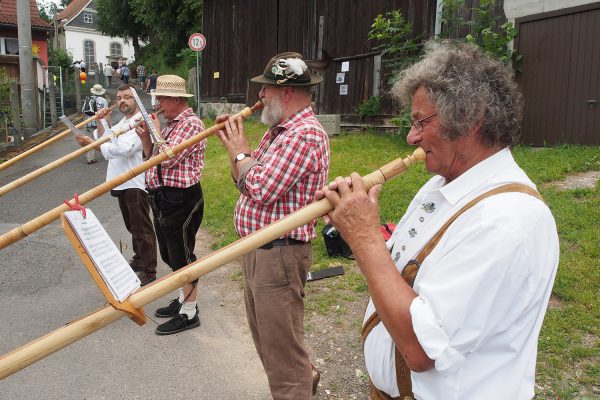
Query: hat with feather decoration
point(287, 69)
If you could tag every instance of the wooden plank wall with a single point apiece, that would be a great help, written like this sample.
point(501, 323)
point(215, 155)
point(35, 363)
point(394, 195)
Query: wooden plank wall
point(243, 35)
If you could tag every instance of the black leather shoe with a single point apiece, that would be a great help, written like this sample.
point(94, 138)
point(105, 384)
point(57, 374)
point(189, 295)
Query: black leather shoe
point(177, 324)
point(169, 311)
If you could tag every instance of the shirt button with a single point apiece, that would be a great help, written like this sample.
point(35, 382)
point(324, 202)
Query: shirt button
point(403, 248)
point(421, 219)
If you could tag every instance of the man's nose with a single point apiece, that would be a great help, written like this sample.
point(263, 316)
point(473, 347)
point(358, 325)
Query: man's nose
point(414, 136)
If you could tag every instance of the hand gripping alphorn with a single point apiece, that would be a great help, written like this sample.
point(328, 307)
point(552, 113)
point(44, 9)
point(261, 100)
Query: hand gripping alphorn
point(40, 146)
point(52, 215)
point(63, 160)
point(60, 338)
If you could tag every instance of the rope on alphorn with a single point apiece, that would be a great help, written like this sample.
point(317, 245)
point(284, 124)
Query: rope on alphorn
point(54, 341)
point(52, 215)
point(48, 142)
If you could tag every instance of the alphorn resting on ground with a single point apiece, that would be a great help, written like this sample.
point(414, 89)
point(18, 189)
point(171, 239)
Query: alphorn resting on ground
point(52, 215)
point(60, 338)
point(63, 160)
point(45, 143)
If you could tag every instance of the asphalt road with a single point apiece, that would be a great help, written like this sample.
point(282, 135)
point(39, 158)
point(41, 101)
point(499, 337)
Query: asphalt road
point(44, 285)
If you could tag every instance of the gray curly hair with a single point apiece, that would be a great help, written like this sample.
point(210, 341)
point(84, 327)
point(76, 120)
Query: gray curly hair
point(467, 87)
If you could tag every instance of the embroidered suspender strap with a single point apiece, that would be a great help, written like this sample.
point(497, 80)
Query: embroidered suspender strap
point(409, 273)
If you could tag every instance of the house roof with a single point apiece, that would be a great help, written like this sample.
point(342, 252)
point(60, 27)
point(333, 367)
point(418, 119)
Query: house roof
point(8, 14)
point(72, 9)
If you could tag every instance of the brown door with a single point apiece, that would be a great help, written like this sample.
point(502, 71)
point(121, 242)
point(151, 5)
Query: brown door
point(560, 76)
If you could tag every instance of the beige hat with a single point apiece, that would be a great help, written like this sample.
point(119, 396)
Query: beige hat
point(97, 90)
point(171, 86)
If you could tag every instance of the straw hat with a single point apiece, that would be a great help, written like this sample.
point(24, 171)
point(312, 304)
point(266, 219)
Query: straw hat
point(97, 90)
point(171, 86)
point(287, 69)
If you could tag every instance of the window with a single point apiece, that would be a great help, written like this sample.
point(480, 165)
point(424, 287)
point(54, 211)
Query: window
point(87, 18)
point(116, 49)
point(89, 52)
point(9, 46)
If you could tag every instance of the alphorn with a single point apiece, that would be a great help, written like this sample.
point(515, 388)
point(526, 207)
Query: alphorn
point(62, 337)
point(63, 160)
point(52, 215)
point(40, 146)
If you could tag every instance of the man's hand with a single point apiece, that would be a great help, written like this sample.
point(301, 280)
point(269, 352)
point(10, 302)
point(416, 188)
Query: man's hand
point(103, 113)
point(144, 134)
point(356, 211)
point(233, 137)
point(83, 140)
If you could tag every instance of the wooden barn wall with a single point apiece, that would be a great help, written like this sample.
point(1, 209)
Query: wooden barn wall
point(243, 35)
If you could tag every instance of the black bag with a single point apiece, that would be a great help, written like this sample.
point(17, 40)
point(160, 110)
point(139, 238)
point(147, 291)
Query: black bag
point(89, 106)
point(335, 244)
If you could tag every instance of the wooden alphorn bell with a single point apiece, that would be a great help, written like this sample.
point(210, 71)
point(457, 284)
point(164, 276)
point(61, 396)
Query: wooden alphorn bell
point(52, 215)
point(48, 142)
point(60, 338)
point(63, 160)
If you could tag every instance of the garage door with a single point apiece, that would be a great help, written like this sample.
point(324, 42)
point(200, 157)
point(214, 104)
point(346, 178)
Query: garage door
point(560, 76)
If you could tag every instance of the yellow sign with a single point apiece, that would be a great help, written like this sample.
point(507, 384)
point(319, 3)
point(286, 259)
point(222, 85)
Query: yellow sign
point(215, 75)
point(35, 49)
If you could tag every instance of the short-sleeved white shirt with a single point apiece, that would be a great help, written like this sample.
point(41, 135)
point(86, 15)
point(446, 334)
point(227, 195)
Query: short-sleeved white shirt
point(482, 292)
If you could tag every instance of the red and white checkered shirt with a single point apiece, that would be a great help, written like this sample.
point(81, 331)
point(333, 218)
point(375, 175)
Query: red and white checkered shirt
point(185, 169)
point(292, 163)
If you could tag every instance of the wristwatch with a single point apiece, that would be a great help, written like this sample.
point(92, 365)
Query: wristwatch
point(241, 156)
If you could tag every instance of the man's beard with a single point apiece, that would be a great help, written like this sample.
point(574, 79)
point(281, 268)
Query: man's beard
point(272, 113)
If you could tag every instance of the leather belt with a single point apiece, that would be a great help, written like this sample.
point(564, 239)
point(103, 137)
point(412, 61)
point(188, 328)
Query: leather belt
point(281, 242)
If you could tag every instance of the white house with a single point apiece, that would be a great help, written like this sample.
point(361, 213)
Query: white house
point(80, 35)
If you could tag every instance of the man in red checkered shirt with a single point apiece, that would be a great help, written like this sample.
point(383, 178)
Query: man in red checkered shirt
point(278, 178)
point(176, 196)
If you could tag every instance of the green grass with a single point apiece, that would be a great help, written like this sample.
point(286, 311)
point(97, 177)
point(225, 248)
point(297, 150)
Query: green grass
point(569, 345)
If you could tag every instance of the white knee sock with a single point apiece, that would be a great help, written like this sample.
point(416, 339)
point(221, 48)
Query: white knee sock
point(189, 309)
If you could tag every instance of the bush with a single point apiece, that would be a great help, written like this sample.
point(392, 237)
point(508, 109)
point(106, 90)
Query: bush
point(369, 108)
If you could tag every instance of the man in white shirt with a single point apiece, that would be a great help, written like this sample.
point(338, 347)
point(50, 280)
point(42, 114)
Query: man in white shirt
point(468, 326)
point(123, 153)
point(108, 73)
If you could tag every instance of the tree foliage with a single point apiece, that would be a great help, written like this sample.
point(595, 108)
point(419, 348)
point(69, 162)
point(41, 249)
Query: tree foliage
point(47, 9)
point(165, 23)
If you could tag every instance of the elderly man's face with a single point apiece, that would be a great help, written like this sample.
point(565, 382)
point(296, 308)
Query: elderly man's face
point(273, 112)
point(444, 157)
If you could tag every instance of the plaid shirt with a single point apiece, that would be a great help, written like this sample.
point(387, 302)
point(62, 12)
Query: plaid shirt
point(292, 163)
point(185, 168)
point(141, 70)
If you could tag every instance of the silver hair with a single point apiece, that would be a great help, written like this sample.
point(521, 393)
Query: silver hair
point(468, 88)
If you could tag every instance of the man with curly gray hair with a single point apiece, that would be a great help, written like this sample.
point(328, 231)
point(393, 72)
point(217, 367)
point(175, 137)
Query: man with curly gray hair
point(459, 292)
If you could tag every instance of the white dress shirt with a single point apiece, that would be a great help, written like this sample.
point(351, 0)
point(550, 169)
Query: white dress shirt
point(123, 153)
point(482, 292)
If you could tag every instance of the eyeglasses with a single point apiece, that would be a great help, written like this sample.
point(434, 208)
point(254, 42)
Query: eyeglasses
point(418, 124)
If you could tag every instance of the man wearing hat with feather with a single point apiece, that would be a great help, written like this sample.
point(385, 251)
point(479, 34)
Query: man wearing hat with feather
point(279, 177)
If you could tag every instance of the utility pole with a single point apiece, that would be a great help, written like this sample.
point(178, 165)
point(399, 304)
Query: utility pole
point(28, 105)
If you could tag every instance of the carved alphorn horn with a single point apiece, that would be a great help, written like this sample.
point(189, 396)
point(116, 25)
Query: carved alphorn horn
point(40, 146)
point(60, 338)
point(44, 219)
point(63, 160)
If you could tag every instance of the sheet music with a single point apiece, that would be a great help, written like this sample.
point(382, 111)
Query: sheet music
point(110, 263)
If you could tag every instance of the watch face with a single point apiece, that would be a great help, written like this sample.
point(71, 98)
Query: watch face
point(240, 156)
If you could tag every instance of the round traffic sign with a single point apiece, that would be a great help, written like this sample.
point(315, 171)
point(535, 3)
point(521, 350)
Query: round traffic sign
point(197, 41)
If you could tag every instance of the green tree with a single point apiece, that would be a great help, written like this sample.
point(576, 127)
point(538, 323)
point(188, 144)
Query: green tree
point(394, 37)
point(117, 19)
point(47, 9)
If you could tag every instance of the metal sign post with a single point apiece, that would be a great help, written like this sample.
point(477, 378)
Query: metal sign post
point(197, 42)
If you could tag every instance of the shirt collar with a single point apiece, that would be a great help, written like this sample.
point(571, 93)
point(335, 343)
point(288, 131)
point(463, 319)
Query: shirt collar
point(472, 178)
point(288, 122)
point(181, 115)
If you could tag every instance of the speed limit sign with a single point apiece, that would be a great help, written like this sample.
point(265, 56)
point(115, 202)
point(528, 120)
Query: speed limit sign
point(197, 41)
